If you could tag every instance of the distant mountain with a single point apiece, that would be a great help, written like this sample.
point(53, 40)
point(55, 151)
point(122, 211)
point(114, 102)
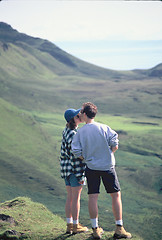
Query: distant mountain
point(37, 75)
point(156, 71)
point(153, 72)
point(73, 65)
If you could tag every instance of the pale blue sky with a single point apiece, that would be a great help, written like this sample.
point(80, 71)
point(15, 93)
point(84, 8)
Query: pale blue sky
point(111, 34)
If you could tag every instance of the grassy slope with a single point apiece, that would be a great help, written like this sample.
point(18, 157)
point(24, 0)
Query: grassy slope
point(34, 221)
point(31, 78)
point(26, 155)
point(29, 147)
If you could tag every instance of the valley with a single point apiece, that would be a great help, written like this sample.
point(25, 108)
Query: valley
point(38, 82)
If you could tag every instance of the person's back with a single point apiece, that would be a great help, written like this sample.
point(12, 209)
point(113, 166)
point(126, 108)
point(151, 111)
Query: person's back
point(96, 140)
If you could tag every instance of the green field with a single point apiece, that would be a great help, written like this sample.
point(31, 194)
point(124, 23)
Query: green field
point(30, 167)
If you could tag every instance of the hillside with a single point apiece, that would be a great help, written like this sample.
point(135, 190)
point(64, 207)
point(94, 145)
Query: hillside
point(61, 62)
point(37, 75)
point(26, 155)
point(38, 81)
point(29, 166)
point(22, 218)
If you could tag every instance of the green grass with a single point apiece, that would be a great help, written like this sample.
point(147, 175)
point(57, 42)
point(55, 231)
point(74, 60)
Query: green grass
point(35, 79)
point(29, 157)
point(38, 82)
point(32, 220)
point(139, 135)
point(27, 152)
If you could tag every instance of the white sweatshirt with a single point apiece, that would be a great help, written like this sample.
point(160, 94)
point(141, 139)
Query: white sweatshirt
point(93, 141)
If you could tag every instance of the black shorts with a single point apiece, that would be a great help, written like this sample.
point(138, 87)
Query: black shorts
point(109, 179)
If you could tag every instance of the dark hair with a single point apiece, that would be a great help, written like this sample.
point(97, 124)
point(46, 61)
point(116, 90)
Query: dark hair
point(89, 109)
point(71, 124)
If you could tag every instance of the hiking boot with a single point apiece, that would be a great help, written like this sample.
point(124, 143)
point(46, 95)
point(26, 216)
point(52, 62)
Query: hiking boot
point(97, 232)
point(78, 228)
point(69, 228)
point(121, 233)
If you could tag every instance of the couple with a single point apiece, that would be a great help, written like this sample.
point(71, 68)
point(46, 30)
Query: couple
point(89, 151)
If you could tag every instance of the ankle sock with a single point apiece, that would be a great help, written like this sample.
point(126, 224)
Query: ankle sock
point(69, 220)
point(75, 221)
point(94, 222)
point(119, 222)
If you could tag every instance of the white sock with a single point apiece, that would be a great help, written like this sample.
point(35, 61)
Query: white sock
point(94, 222)
point(76, 221)
point(119, 222)
point(69, 220)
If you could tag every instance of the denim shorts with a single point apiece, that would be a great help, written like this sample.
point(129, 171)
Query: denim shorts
point(109, 179)
point(72, 181)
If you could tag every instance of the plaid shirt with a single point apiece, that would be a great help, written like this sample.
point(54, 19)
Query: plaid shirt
point(68, 163)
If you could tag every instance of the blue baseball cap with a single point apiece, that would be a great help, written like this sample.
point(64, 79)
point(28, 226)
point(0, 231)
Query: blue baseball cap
point(71, 113)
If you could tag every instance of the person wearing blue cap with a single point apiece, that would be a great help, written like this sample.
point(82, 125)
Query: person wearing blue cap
point(72, 170)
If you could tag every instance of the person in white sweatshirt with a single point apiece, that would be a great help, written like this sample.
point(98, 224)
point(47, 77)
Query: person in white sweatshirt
point(96, 143)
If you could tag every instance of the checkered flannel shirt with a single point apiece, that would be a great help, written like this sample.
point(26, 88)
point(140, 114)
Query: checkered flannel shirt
point(68, 163)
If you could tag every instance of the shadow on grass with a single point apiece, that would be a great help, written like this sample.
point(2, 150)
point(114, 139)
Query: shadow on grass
point(63, 236)
point(81, 236)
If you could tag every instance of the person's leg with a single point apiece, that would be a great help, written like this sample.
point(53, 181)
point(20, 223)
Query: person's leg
point(68, 205)
point(68, 210)
point(120, 232)
point(76, 192)
point(77, 227)
point(93, 182)
point(93, 209)
point(112, 186)
point(92, 205)
point(93, 213)
point(117, 205)
point(76, 189)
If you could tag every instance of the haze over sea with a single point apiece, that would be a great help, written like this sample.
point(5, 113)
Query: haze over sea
point(120, 35)
point(117, 55)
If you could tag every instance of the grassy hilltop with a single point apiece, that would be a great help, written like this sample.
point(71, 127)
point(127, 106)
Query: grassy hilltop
point(31, 220)
point(38, 81)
